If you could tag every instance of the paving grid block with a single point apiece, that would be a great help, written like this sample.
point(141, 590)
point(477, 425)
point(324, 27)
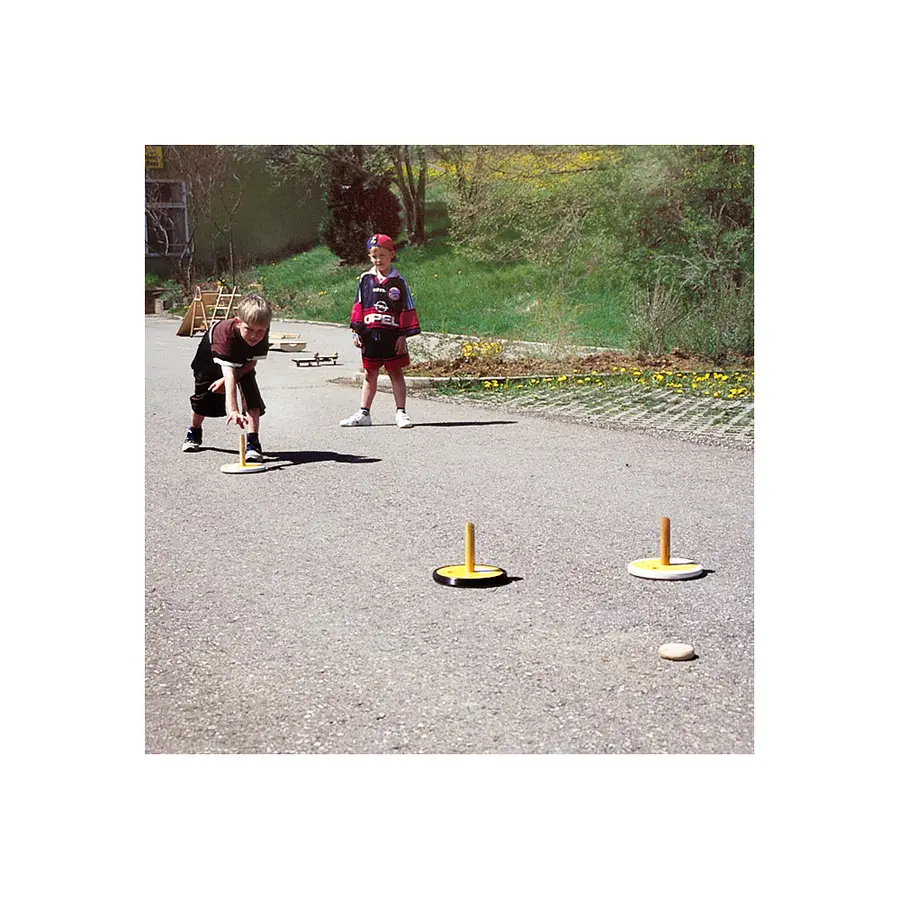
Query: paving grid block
point(705, 418)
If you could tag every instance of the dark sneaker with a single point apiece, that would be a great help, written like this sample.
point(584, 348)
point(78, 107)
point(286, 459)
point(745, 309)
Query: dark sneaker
point(253, 452)
point(192, 442)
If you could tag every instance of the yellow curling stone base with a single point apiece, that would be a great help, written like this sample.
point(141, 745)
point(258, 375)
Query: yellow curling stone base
point(478, 576)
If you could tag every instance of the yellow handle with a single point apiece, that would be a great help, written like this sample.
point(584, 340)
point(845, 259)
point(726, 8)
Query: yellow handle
point(243, 448)
point(470, 547)
point(664, 541)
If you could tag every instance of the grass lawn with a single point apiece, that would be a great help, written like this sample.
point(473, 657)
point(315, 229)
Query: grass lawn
point(520, 301)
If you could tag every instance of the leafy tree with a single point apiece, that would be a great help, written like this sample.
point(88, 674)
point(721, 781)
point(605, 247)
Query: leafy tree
point(412, 188)
point(358, 204)
point(214, 193)
point(403, 166)
point(511, 203)
point(679, 223)
point(682, 213)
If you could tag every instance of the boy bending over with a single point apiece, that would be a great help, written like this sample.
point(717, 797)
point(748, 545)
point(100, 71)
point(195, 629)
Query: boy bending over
point(224, 363)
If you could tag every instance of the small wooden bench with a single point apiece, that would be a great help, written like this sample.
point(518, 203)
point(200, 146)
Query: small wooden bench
point(315, 360)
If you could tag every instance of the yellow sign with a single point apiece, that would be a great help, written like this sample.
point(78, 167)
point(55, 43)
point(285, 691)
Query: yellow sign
point(153, 157)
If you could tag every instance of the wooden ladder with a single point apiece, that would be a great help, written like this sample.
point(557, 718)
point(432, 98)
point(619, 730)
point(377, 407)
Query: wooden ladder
point(222, 306)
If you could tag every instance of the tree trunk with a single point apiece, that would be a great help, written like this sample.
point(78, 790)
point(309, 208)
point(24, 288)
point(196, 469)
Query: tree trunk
point(412, 192)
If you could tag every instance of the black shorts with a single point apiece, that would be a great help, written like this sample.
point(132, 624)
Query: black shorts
point(379, 349)
point(205, 403)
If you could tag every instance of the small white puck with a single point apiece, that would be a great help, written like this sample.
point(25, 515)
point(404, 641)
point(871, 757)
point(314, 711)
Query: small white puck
point(676, 651)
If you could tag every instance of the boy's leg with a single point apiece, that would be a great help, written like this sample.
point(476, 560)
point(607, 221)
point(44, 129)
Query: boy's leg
point(254, 451)
point(398, 386)
point(203, 405)
point(369, 388)
point(194, 437)
point(253, 407)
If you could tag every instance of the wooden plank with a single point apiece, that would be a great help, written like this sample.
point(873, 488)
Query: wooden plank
point(194, 320)
point(279, 340)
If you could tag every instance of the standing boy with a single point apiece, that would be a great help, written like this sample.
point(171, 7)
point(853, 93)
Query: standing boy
point(224, 361)
point(383, 317)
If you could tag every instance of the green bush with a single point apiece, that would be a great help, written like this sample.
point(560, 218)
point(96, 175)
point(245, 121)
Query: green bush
point(355, 210)
point(654, 311)
point(721, 327)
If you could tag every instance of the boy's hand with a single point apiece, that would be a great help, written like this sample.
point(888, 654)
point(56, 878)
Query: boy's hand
point(356, 341)
point(237, 418)
point(400, 345)
point(217, 387)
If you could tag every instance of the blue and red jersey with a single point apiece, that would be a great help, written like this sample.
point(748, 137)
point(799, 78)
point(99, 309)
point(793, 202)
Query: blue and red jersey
point(383, 311)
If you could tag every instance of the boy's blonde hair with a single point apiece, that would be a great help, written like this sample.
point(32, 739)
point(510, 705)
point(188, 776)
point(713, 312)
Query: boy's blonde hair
point(254, 310)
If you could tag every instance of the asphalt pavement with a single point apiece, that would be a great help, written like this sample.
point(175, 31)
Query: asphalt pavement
point(294, 611)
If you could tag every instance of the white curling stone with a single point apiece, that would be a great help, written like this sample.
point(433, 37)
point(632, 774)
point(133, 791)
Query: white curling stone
point(238, 469)
point(678, 569)
point(676, 651)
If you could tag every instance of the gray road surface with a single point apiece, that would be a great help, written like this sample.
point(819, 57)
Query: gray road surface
point(295, 612)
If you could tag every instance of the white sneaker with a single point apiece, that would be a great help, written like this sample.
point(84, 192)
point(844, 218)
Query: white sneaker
point(360, 418)
point(403, 419)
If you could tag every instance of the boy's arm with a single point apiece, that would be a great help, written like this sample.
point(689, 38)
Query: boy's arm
point(409, 318)
point(218, 387)
point(356, 313)
point(231, 404)
point(357, 325)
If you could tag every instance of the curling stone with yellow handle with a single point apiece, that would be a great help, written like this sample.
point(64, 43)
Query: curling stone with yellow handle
point(470, 575)
point(665, 567)
point(243, 467)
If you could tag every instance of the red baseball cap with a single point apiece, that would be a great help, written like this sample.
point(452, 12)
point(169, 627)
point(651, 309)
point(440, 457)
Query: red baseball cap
point(380, 240)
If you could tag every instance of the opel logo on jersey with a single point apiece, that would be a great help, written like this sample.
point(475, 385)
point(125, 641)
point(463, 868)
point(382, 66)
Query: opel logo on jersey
point(381, 315)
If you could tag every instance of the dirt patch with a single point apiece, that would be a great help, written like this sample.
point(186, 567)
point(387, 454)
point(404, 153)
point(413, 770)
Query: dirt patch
point(677, 360)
